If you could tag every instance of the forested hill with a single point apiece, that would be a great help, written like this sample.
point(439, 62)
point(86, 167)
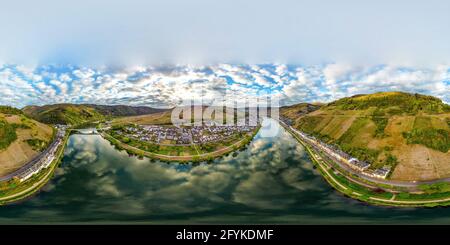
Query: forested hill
point(124, 110)
point(82, 113)
point(396, 102)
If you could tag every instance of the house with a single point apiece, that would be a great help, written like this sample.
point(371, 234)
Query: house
point(382, 172)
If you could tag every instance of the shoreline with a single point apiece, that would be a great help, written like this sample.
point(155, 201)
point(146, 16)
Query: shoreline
point(209, 156)
point(355, 190)
point(30, 187)
point(364, 191)
point(38, 181)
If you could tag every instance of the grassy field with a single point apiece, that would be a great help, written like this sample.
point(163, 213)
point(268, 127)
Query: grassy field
point(151, 119)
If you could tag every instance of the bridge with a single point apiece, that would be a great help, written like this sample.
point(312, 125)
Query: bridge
point(85, 132)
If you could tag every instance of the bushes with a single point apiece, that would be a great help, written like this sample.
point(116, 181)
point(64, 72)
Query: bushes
point(423, 133)
point(407, 103)
point(20, 125)
point(37, 144)
point(353, 131)
point(380, 120)
point(364, 154)
point(307, 124)
point(438, 139)
point(391, 160)
point(435, 188)
point(380, 123)
point(10, 110)
point(7, 134)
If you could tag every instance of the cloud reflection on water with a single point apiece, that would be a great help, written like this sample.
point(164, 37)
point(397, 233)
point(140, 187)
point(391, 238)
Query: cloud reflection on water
point(272, 180)
point(265, 175)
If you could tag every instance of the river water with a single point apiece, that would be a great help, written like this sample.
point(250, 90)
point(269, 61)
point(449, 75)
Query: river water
point(270, 181)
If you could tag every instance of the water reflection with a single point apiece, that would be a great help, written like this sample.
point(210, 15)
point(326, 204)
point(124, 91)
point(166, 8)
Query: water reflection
point(272, 180)
point(261, 176)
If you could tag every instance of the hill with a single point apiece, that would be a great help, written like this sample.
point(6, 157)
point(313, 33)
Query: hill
point(158, 118)
point(409, 132)
point(21, 138)
point(75, 114)
point(124, 111)
point(395, 102)
point(63, 114)
point(292, 112)
point(164, 117)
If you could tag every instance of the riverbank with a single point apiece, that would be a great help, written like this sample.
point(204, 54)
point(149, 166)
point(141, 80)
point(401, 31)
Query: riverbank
point(368, 192)
point(21, 190)
point(209, 156)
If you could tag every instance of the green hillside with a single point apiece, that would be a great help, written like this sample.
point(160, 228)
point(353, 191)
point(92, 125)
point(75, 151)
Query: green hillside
point(297, 110)
point(10, 110)
point(393, 103)
point(63, 114)
point(21, 138)
point(124, 111)
point(7, 134)
point(75, 114)
point(410, 132)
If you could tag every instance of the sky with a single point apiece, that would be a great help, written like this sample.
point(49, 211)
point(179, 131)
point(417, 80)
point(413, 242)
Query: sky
point(156, 52)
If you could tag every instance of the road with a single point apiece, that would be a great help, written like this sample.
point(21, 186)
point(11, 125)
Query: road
point(31, 188)
point(30, 164)
point(387, 201)
point(43, 179)
point(349, 170)
point(177, 158)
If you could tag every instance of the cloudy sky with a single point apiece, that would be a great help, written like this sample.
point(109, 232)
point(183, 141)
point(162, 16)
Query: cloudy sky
point(157, 52)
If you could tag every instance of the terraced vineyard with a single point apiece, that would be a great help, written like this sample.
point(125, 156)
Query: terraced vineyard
point(21, 138)
point(409, 132)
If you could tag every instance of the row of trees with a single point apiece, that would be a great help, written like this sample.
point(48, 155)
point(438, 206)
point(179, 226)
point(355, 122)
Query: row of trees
point(438, 139)
point(10, 110)
point(7, 134)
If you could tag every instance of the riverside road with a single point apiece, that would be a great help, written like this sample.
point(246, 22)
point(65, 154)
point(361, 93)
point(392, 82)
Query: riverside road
point(349, 170)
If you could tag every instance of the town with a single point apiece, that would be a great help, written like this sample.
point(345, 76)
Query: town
point(340, 156)
point(181, 136)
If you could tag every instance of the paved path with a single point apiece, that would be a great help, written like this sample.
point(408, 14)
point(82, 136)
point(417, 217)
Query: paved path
point(413, 202)
point(326, 171)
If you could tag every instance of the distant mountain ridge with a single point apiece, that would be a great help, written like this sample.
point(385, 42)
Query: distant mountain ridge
point(82, 113)
point(124, 110)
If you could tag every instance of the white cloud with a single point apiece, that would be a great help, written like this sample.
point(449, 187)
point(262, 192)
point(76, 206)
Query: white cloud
point(65, 77)
point(166, 86)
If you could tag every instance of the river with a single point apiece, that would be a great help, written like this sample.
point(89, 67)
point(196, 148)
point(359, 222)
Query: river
point(272, 180)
